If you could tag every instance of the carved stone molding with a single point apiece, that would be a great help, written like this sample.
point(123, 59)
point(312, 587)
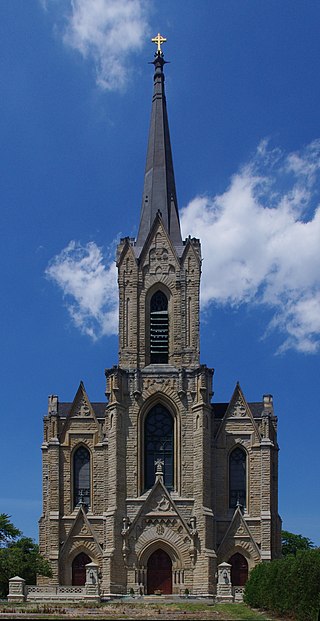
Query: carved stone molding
point(239, 408)
point(163, 504)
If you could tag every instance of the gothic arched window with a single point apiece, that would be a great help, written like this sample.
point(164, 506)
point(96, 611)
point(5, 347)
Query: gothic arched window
point(81, 477)
point(237, 478)
point(158, 444)
point(159, 328)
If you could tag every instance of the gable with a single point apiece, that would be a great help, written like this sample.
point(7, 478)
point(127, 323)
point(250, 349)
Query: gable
point(81, 534)
point(238, 537)
point(238, 418)
point(158, 523)
point(158, 506)
point(158, 254)
point(81, 416)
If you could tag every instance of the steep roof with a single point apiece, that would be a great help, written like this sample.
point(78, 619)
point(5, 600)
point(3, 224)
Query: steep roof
point(99, 408)
point(159, 192)
point(220, 409)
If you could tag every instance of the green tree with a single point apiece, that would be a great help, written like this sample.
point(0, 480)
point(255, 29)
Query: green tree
point(292, 543)
point(8, 532)
point(287, 586)
point(19, 556)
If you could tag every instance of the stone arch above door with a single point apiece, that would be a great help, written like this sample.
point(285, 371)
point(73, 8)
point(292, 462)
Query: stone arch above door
point(171, 541)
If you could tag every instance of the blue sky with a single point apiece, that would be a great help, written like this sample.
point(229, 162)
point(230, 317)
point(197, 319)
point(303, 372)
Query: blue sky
point(243, 98)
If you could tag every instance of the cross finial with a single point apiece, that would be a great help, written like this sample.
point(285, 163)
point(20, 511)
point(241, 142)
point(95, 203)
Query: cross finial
point(159, 40)
point(159, 463)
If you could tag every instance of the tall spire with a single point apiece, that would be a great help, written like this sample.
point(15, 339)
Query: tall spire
point(159, 192)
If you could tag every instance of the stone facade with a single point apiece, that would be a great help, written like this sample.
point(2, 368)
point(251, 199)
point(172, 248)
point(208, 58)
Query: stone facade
point(121, 523)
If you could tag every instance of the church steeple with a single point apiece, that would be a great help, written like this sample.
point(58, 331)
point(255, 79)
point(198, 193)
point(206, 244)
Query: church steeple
point(159, 274)
point(159, 192)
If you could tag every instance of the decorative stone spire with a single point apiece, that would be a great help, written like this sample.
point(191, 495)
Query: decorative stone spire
point(159, 192)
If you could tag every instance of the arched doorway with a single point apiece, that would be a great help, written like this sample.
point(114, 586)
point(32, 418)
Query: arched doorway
point(239, 569)
point(159, 573)
point(79, 569)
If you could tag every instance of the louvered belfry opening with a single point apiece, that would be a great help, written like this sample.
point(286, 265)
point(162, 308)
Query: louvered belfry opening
point(159, 328)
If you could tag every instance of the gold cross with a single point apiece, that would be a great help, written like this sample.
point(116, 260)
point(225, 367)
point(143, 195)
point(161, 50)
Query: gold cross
point(158, 40)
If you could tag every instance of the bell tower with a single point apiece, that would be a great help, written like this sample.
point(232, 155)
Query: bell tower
point(159, 394)
point(158, 273)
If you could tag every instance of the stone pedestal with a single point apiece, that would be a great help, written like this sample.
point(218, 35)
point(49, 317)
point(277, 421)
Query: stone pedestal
point(16, 589)
point(92, 582)
point(224, 586)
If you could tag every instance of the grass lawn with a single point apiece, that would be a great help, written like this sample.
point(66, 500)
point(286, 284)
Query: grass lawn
point(135, 610)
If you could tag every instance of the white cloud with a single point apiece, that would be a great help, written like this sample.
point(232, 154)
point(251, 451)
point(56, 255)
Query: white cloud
point(89, 285)
point(306, 164)
point(260, 245)
point(106, 32)
point(261, 239)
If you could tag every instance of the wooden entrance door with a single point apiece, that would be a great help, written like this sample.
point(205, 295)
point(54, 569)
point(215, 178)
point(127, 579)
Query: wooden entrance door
point(79, 569)
point(239, 570)
point(159, 573)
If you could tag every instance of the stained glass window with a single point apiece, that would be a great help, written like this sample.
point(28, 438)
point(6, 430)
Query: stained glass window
point(81, 476)
point(158, 438)
point(237, 478)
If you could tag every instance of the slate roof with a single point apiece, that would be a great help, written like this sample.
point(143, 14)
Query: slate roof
point(99, 408)
point(219, 409)
point(256, 409)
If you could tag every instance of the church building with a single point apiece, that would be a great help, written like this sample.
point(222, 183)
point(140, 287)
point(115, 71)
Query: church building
point(159, 484)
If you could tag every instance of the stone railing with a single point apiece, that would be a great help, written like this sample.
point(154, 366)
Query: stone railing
point(21, 592)
point(60, 592)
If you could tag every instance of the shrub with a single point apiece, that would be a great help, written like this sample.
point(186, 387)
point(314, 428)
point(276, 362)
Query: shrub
point(289, 586)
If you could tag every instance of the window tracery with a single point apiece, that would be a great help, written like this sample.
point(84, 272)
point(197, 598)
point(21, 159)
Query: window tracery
point(81, 477)
point(159, 439)
point(237, 478)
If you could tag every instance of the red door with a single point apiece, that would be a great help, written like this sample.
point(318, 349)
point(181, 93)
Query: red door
point(159, 576)
point(79, 569)
point(239, 570)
